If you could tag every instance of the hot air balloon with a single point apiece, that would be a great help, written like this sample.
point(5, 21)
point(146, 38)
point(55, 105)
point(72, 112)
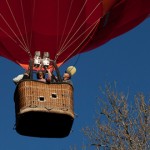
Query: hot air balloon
point(54, 32)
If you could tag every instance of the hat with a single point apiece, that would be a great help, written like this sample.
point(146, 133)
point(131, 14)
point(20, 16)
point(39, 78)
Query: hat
point(71, 70)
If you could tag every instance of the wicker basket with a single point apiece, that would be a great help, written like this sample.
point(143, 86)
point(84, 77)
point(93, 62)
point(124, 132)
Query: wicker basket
point(44, 110)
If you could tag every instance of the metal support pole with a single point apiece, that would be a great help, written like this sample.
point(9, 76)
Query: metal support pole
point(31, 69)
point(57, 71)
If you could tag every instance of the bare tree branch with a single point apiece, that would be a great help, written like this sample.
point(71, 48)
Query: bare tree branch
point(120, 125)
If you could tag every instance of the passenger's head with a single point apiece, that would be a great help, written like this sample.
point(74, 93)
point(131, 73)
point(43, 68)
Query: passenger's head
point(40, 75)
point(66, 76)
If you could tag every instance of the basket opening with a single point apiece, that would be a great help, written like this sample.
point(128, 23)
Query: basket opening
point(41, 98)
point(54, 95)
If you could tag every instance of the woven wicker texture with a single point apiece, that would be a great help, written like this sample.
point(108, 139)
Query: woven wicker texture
point(45, 97)
point(44, 110)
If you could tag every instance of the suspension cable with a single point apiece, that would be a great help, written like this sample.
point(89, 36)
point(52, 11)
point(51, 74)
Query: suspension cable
point(67, 43)
point(96, 24)
point(24, 23)
point(65, 24)
point(92, 27)
point(33, 12)
point(11, 30)
point(22, 44)
point(73, 26)
point(16, 23)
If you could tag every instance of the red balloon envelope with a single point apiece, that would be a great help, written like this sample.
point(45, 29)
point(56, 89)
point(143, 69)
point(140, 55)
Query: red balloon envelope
point(124, 16)
point(64, 28)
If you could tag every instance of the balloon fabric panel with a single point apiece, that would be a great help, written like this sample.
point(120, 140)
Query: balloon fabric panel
point(59, 27)
point(64, 28)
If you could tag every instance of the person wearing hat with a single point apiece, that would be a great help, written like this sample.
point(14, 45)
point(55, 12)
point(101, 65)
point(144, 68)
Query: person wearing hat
point(70, 71)
point(67, 77)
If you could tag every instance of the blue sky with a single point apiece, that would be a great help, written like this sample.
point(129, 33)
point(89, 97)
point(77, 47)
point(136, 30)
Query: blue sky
point(125, 59)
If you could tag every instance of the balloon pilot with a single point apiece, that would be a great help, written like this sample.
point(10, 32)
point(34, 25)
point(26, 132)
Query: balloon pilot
point(45, 74)
point(71, 70)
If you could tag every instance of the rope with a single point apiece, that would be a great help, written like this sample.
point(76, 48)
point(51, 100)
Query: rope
point(16, 23)
point(67, 43)
point(32, 19)
point(24, 23)
point(80, 36)
point(76, 61)
point(20, 41)
point(72, 27)
point(8, 34)
point(25, 43)
point(15, 41)
point(82, 41)
point(11, 30)
point(66, 25)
